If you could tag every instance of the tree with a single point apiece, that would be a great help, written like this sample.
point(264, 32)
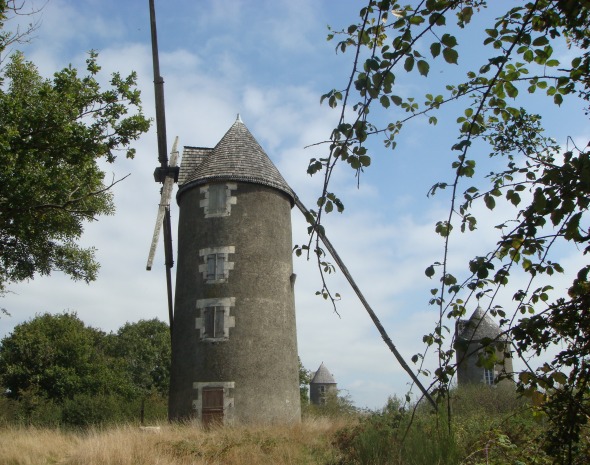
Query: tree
point(58, 357)
point(144, 350)
point(548, 185)
point(83, 374)
point(53, 133)
point(304, 379)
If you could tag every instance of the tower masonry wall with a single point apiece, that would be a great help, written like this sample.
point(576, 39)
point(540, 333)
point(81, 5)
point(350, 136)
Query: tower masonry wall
point(468, 371)
point(317, 392)
point(257, 361)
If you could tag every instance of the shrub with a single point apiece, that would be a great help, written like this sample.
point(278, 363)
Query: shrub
point(85, 410)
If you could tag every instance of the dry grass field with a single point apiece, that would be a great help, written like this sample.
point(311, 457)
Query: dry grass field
point(307, 443)
point(489, 427)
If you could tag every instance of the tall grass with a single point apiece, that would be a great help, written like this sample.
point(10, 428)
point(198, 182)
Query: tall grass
point(488, 427)
point(307, 443)
point(33, 446)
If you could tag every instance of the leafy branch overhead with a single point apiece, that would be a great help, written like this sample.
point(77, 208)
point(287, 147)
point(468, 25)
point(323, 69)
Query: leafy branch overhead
point(53, 134)
point(546, 184)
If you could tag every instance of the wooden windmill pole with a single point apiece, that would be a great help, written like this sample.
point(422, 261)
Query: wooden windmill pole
point(166, 173)
point(368, 308)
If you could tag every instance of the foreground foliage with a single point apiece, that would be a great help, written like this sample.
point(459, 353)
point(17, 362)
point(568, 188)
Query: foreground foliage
point(544, 186)
point(491, 426)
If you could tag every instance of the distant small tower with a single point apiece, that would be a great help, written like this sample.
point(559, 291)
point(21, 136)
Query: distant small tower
point(321, 386)
point(234, 344)
point(469, 339)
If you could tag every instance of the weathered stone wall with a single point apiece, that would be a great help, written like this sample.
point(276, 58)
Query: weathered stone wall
point(317, 392)
point(257, 363)
point(468, 372)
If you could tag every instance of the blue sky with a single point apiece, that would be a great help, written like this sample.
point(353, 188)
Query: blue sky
point(270, 62)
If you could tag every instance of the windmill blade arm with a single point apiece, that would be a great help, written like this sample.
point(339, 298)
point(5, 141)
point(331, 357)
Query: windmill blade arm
point(156, 236)
point(164, 204)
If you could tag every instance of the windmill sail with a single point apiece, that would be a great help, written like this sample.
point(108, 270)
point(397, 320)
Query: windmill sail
point(164, 204)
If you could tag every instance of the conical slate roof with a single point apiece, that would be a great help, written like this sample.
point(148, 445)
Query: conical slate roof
point(478, 326)
point(236, 157)
point(323, 376)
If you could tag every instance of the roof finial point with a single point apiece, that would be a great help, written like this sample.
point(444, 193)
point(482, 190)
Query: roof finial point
point(239, 119)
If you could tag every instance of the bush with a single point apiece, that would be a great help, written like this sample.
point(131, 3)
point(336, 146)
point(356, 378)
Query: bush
point(85, 410)
point(32, 409)
point(336, 406)
point(374, 439)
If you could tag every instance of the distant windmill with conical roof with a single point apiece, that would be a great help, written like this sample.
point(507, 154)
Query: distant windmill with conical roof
point(472, 337)
point(322, 386)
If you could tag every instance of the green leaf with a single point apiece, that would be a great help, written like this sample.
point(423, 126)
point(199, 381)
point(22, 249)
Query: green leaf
point(423, 67)
point(489, 201)
point(450, 55)
point(511, 91)
point(416, 20)
point(435, 49)
point(396, 99)
point(409, 63)
point(540, 41)
point(448, 40)
point(559, 377)
point(365, 160)
point(493, 33)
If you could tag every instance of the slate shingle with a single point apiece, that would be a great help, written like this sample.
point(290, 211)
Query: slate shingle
point(236, 157)
point(479, 326)
point(323, 376)
point(191, 158)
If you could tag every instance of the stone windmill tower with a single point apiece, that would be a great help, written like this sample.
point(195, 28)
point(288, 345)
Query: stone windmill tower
point(322, 386)
point(234, 344)
point(471, 336)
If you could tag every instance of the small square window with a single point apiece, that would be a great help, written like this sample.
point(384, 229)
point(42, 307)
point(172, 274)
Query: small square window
point(215, 266)
point(217, 199)
point(214, 319)
point(322, 389)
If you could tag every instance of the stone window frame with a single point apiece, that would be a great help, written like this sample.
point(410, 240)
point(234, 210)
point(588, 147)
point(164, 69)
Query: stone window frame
point(229, 321)
point(228, 399)
point(215, 266)
point(213, 322)
point(229, 199)
point(227, 265)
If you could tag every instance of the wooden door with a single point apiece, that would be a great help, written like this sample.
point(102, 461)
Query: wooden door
point(212, 406)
